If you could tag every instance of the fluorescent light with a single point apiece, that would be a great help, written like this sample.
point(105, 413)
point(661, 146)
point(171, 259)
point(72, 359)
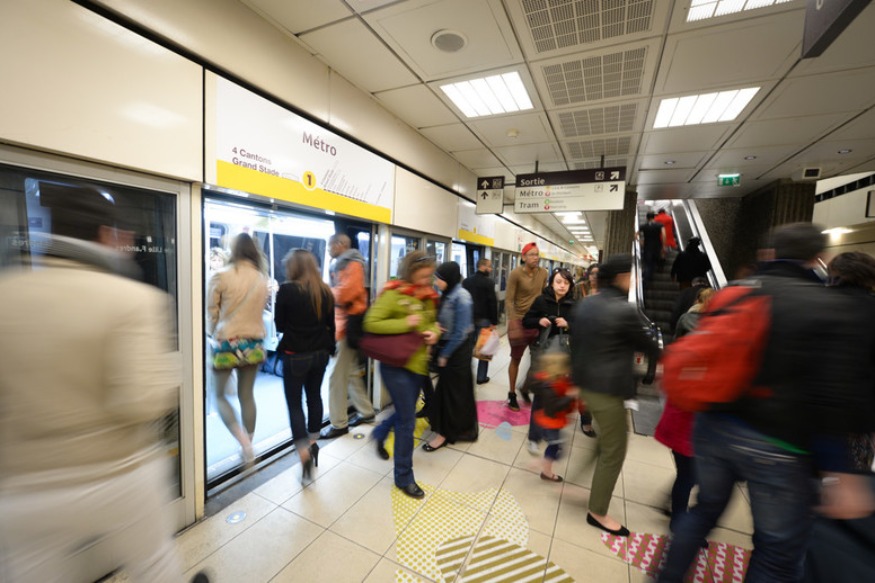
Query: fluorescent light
point(702, 9)
point(705, 108)
point(456, 97)
point(491, 95)
point(666, 110)
point(517, 90)
point(738, 103)
point(682, 111)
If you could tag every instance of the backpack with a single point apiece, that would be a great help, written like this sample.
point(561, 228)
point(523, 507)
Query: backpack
point(717, 362)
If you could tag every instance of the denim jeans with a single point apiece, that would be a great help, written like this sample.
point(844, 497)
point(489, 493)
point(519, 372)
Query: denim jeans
point(303, 372)
point(403, 386)
point(683, 485)
point(781, 499)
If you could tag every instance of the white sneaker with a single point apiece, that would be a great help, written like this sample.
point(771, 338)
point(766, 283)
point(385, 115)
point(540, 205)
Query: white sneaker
point(534, 447)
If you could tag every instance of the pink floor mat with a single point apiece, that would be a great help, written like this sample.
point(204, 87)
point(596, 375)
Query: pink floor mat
point(494, 413)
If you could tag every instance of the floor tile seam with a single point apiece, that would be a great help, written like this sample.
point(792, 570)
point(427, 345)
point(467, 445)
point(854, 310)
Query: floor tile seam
point(357, 500)
point(292, 560)
point(610, 555)
point(227, 542)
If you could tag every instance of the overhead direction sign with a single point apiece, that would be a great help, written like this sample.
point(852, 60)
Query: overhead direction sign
point(490, 195)
point(574, 190)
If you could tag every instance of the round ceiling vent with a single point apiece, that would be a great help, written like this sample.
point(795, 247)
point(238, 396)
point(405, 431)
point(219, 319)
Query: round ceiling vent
point(448, 41)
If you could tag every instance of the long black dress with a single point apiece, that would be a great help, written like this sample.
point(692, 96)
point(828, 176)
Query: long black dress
point(453, 412)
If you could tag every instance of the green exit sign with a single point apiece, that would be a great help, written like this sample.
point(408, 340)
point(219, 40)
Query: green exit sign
point(729, 179)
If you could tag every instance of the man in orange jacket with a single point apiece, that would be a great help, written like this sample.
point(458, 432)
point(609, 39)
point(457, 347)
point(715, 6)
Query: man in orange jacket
point(350, 297)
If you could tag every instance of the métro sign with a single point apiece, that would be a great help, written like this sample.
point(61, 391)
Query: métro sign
point(575, 190)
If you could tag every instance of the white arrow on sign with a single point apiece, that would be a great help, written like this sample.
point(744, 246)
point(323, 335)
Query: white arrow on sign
point(484, 184)
point(615, 175)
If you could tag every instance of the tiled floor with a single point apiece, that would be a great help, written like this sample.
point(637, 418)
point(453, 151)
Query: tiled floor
point(344, 527)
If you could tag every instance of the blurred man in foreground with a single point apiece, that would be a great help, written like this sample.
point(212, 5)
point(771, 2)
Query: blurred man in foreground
point(88, 368)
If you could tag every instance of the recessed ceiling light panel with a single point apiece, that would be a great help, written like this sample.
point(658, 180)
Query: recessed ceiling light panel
point(704, 9)
point(702, 109)
point(491, 95)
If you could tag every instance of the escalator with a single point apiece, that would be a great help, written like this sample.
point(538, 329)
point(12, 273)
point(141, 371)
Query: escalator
point(660, 297)
point(656, 302)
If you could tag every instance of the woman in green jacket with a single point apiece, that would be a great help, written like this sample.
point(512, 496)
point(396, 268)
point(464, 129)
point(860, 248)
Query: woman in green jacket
point(406, 304)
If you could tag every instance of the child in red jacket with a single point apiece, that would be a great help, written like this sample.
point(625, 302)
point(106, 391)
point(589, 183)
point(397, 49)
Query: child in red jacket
point(558, 398)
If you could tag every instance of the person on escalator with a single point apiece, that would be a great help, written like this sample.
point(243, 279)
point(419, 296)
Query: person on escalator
point(651, 236)
point(690, 263)
point(667, 222)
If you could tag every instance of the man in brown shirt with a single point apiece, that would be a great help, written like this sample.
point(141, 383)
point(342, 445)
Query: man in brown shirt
point(524, 284)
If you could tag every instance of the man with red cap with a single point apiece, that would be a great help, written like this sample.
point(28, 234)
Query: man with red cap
point(524, 284)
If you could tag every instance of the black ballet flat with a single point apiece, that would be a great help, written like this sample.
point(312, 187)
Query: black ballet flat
point(413, 490)
point(381, 451)
point(553, 478)
point(622, 531)
point(429, 448)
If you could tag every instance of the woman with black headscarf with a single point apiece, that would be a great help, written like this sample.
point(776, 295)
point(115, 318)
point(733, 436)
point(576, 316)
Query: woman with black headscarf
point(453, 414)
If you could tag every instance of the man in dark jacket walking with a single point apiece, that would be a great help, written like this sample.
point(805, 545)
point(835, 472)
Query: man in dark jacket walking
point(765, 437)
point(606, 331)
point(482, 290)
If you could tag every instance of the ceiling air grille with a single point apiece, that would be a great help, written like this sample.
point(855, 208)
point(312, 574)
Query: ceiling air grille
point(594, 164)
point(593, 78)
point(558, 24)
point(602, 147)
point(598, 120)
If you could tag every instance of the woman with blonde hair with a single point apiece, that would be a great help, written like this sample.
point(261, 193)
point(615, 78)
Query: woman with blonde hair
point(407, 304)
point(236, 295)
point(305, 316)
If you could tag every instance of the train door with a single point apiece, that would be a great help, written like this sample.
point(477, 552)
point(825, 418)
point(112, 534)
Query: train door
point(276, 231)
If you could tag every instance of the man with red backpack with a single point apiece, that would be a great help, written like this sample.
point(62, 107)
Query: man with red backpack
point(763, 435)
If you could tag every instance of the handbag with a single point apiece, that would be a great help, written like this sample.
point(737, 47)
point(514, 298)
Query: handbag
point(560, 342)
point(237, 352)
point(391, 349)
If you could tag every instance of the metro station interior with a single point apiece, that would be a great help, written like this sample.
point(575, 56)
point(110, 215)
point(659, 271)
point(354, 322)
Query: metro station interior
point(294, 120)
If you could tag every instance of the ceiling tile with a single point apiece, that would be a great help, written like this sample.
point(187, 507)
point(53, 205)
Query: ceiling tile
point(664, 176)
point(418, 106)
point(727, 160)
point(773, 132)
point(297, 17)
point(354, 52)
point(481, 25)
point(685, 139)
point(735, 55)
point(545, 153)
point(681, 160)
point(514, 130)
point(452, 138)
point(859, 128)
point(479, 158)
point(528, 167)
point(847, 91)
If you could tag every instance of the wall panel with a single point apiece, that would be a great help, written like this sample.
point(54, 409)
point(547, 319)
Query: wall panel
point(422, 206)
point(78, 84)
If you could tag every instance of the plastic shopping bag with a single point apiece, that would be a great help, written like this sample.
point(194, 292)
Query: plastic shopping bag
point(487, 344)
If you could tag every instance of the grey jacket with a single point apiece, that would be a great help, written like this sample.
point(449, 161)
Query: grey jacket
point(606, 331)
